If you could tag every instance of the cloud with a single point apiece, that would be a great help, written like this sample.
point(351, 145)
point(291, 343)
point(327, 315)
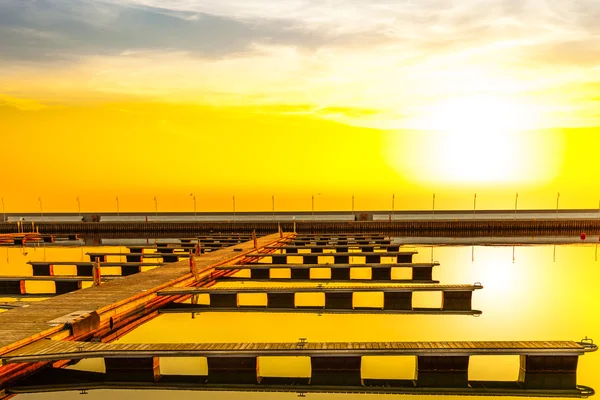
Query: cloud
point(20, 104)
point(340, 58)
point(57, 30)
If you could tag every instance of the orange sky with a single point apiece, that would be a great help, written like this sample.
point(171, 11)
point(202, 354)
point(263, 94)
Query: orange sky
point(139, 98)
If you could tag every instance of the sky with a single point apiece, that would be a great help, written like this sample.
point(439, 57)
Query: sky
point(254, 98)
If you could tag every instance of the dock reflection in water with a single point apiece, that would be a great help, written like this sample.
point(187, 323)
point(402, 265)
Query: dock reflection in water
point(532, 298)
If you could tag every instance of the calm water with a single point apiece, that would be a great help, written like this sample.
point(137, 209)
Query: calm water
point(530, 293)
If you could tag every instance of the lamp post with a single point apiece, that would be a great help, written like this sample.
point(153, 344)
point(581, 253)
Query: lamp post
point(516, 203)
point(79, 206)
point(313, 205)
point(273, 204)
point(393, 205)
point(41, 208)
point(233, 198)
point(4, 212)
point(156, 207)
point(118, 212)
point(194, 198)
point(352, 204)
point(474, 204)
point(433, 207)
point(557, 200)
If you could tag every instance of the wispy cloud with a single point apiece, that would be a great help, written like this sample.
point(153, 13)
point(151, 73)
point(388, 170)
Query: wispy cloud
point(20, 103)
point(337, 56)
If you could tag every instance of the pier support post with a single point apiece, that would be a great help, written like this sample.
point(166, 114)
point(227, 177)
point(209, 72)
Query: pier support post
point(163, 250)
point(290, 250)
point(381, 274)
point(341, 259)
point(373, 259)
point(335, 371)
point(422, 273)
point(338, 301)
point(232, 370)
point(127, 270)
point(63, 287)
point(457, 301)
point(132, 369)
point(279, 259)
point(442, 371)
point(84, 269)
point(168, 258)
point(12, 287)
point(316, 250)
point(300, 273)
point(340, 274)
point(42, 270)
point(130, 258)
point(223, 300)
point(548, 372)
point(281, 300)
point(397, 300)
point(404, 258)
point(260, 273)
point(310, 259)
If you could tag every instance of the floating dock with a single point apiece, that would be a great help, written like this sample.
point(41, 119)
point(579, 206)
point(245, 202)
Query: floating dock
point(548, 365)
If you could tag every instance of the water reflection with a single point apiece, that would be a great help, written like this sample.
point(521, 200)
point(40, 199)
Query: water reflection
point(531, 293)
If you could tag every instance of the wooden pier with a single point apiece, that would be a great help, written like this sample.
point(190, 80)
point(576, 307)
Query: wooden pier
point(543, 365)
point(108, 310)
point(16, 285)
point(338, 257)
point(138, 257)
point(455, 298)
point(458, 228)
point(421, 272)
point(342, 248)
point(55, 350)
point(60, 330)
point(84, 268)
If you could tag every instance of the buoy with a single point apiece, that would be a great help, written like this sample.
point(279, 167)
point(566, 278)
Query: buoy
point(583, 236)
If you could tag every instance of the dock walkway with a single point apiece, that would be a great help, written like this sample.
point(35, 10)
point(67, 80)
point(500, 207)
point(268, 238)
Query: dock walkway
point(25, 325)
point(51, 350)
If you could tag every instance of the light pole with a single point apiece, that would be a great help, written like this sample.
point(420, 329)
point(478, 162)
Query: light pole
point(79, 206)
point(156, 207)
point(233, 198)
point(516, 203)
point(393, 205)
point(4, 212)
point(474, 204)
point(118, 212)
point(557, 200)
point(352, 204)
point(273, 203)
point(313, 205)
point(194, 198)
point(433, 207)
point(41, 208)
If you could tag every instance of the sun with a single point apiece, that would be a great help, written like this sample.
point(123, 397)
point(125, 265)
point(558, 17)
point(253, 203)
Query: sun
point(468, 139)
